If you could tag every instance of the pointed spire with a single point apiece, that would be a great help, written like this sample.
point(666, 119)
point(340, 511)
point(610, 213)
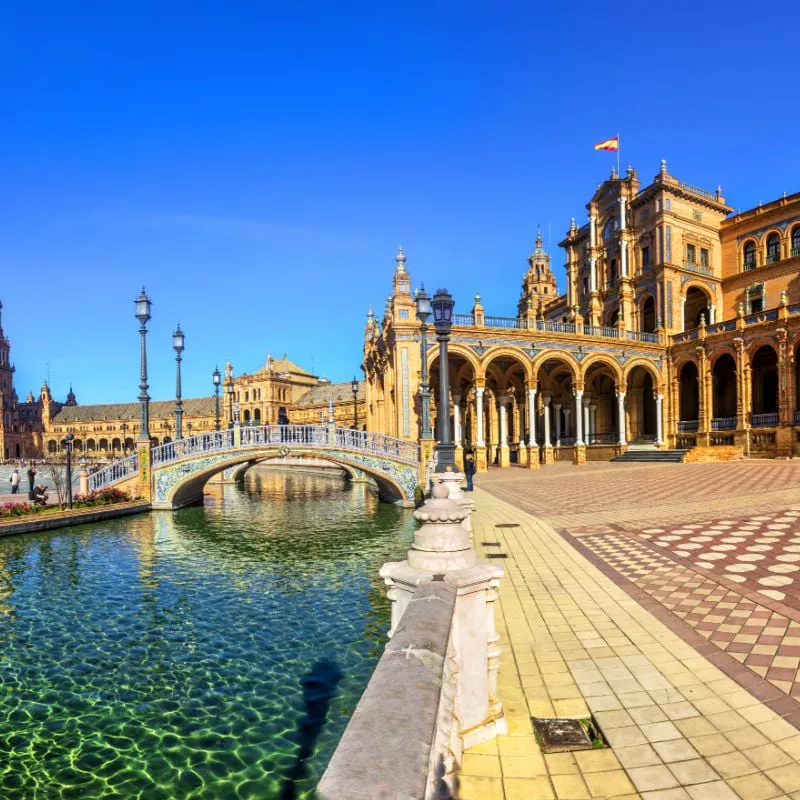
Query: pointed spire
point(400, 258)
point(663, 169)
point(539, 237)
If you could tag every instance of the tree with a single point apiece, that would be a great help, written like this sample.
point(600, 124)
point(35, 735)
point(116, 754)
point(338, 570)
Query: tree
point(58, 476)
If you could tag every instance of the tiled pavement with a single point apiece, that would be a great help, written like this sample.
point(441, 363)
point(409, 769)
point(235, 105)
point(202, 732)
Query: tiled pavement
point(601, 638)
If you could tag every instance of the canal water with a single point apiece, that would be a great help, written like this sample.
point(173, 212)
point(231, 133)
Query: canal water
point(163, 655)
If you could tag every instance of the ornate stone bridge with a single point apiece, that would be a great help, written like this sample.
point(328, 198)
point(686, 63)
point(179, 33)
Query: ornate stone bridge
point(173, 475)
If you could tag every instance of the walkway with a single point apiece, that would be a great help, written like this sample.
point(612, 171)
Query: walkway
point(612, 605)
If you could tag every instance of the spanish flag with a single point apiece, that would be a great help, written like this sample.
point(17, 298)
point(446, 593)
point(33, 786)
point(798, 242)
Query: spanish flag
point(608, 144)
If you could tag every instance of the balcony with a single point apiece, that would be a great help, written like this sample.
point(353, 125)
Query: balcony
point(688, 426)
point(795, 251)
point(748, 265)
point(698, 268)
point(723, 424)
point(774, 258)
point(764, 420)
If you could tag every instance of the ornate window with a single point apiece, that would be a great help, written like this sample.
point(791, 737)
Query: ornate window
point(773, 248)
point(691, 253)
point(796, 241)
point(645, 257)
point(749, 256)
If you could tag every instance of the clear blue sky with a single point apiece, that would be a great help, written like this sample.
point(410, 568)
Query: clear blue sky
point(256, 164)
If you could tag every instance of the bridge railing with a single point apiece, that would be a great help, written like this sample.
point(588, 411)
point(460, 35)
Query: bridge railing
point(257, 436)
point(377, 443)
point(192, 445)
point(117, 471)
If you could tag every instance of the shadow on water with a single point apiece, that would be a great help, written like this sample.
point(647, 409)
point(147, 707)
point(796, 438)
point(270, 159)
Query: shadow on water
point(320, 686)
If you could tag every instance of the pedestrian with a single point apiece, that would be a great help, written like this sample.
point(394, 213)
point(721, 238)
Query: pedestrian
point(15, 481)
point(469, 468)
point(31, 476)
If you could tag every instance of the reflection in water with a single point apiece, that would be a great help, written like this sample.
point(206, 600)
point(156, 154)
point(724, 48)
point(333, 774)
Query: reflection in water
point(163, 655)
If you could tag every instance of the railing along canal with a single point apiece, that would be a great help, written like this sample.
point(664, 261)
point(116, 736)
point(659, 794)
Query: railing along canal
point(117, 471)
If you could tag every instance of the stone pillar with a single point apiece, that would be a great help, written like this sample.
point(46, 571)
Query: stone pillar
point(622, 438)
point(532, 418)
point(144, 486)
point(587, 427)
point(593, 419)
point(659, 420)
point(579, 453)
point(522, 450)
point(83, 477)
point(567, 412)
point(548, 447)
point(533, 447)
point(458, 434)
point(480, 442)
point(557, 417)
point(503, 453)
point(442, 550)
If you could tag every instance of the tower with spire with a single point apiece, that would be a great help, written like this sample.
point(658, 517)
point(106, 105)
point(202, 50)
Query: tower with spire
point(539, 287)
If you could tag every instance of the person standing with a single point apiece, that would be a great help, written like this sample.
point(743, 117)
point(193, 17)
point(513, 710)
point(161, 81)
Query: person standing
point(469, 468)
point(15, 481)
point(31, 476)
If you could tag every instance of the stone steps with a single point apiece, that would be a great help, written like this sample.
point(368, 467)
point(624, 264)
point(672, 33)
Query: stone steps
point(652, 456)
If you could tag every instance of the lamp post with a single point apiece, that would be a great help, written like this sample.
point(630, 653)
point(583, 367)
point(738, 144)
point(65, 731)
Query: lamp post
point(354, 389)
point(423, 315)
point(442, 305)
point(124, 427)
point(229, 392)
point(217, 378)
point(143, 306)
point(68, 447)
point(178, 341)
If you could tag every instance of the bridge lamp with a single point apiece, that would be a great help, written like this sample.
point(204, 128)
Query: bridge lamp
point(424, 312)
point(229, 392)
point(178, 342)
point(354, 389)
point(143, 305)
point(217, 378)
point(68, 447)
point(442, 306)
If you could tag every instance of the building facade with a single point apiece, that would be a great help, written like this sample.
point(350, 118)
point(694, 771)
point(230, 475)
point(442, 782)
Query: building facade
point(678, 328)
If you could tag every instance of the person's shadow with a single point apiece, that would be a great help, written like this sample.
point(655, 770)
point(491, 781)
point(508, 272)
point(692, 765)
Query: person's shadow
point(320, 686)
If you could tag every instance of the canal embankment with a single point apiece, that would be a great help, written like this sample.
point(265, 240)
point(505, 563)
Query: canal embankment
point(49, 520)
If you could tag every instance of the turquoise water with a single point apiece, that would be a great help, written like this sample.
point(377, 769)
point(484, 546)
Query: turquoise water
point(161, 656)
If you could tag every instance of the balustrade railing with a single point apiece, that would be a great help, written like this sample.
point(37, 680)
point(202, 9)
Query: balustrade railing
point(764, 420)
point(259, 436)
point(687, 187)
point(117, 471)
point(603, 438)
point(641, 336)
point(503, 322)
point(723, 424)
point(699, 268)
point(463, 319)
point(688, 425)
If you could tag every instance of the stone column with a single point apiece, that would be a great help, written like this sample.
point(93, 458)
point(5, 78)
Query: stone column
point(593, 419)
point(479, 416)
point(532, 418)
point(567, 412)
point(557, 417)
point(659, 420)
point(578, 417)
point(622, 438)
point(458, 434)
point(548, 447)
point(83, 477)
point(503, 453)
point(522, 450)
point(586, 422)
point(533, 447)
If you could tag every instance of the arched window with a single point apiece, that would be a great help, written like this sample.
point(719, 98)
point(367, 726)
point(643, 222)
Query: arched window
point(773, 248)
point(796, 241)
point(749, 259)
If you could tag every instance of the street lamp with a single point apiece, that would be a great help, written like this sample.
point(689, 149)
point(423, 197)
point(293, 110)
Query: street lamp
point(217, 378)
point(177, 344)
point(124, 428)
point(229, 392)
point(354, 389)
point(68, 447)
point(143, 304)
point(423, 315)
point(442, 305)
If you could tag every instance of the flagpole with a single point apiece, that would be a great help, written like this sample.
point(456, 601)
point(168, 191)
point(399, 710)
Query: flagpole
point(618, 144)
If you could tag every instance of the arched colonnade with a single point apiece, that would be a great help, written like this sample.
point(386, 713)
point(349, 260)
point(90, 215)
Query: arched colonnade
point(513, 408)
